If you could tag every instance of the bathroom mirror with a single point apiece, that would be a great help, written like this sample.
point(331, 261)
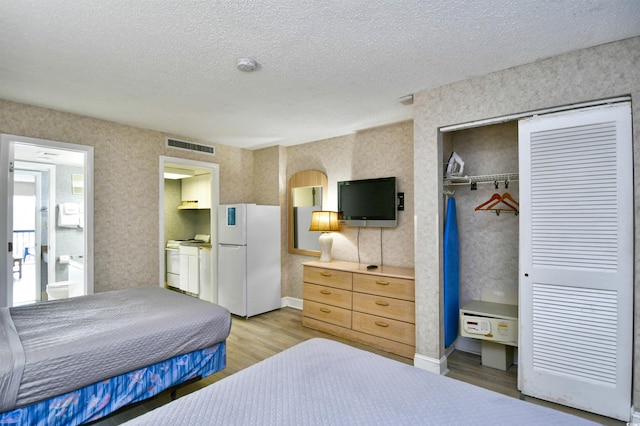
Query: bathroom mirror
point(307, 192)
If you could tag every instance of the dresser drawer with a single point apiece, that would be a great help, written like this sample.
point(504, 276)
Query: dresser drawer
point(383, 327)
point(330, 277)
point(327, 295)
point(397, 288)
point(401, 310)
point(327, 313)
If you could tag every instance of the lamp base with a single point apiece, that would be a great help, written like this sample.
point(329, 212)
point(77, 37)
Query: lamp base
point(326, 241)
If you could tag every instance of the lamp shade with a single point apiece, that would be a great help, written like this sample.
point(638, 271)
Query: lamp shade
point(324, 221)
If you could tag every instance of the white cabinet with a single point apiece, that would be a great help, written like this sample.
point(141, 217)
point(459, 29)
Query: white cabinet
point(189, 269)
point(196, 192)
point(208, 289)
point(173, 268)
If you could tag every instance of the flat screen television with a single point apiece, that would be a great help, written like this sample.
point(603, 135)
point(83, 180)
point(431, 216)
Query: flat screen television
point(368, 202)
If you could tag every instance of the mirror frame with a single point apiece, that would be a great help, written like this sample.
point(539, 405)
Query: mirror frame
point(304, 179)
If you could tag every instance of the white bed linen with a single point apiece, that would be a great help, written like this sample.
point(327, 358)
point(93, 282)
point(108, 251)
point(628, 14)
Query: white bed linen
point(322, 382)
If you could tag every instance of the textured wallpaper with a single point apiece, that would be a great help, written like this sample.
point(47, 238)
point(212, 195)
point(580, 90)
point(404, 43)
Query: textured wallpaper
point(126, 190)
point(379, 152)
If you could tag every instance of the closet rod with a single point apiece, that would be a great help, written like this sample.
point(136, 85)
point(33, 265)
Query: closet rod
point(468, 180)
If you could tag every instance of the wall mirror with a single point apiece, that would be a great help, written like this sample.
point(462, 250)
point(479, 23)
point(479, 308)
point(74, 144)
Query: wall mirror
point(307, 192)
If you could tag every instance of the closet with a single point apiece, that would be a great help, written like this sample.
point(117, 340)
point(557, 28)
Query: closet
point(566, 257)
point(488, 237)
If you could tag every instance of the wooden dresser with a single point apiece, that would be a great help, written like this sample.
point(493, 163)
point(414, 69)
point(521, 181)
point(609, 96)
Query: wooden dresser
point(375, 307)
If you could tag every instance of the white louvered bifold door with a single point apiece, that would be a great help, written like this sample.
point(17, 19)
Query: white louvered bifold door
point(576, 259)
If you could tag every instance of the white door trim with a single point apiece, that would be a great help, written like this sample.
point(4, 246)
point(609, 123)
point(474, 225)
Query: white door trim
point(6, 178)
point(518, 116)
point(215, 201)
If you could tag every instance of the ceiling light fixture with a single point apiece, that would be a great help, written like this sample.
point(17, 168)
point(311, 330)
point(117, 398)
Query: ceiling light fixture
point(247, 64)
point(171, 173)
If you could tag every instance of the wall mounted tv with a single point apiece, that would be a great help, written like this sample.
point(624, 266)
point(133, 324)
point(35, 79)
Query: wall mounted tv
point(368, 202)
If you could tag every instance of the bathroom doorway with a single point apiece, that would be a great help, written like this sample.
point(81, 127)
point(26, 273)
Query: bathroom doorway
point(27, 236)
point(46, 187)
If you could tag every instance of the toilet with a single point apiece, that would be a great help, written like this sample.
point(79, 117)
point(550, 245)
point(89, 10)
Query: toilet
point(58, 290)
point(71, 288)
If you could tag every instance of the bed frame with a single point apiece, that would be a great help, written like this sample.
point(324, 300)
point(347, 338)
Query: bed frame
point(76, 360)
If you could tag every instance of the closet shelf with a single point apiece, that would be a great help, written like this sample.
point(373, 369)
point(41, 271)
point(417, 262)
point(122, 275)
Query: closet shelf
point(472, 180)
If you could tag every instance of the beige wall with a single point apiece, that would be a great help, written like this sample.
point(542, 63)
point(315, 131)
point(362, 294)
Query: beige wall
point(596, 73)
point(127, 193)
point(379, 152)
point(269, 188)
point(126, 190)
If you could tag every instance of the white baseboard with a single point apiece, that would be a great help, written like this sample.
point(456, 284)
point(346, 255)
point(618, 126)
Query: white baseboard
point(438, 366)
point(291, 302)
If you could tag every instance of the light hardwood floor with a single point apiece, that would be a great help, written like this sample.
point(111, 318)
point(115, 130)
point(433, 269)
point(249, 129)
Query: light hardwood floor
point(265, 335)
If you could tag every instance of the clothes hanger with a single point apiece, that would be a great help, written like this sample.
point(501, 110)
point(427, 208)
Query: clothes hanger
point(495, 197)
point(507, 200)
point(507, 196)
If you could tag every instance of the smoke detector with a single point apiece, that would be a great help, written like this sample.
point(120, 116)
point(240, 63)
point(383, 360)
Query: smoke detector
point(247, 64)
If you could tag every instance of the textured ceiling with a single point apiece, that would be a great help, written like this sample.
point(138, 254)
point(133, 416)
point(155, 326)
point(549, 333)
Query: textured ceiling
point(327, 68)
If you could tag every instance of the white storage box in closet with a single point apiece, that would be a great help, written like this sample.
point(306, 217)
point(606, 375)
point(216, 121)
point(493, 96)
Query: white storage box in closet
point(496, 324)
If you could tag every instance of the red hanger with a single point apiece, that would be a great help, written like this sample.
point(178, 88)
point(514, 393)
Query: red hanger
point(512, 204)
point(494, 197)
point(506, 199)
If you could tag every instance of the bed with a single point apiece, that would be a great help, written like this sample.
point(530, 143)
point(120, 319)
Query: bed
point(323, 382)
point(70, 361)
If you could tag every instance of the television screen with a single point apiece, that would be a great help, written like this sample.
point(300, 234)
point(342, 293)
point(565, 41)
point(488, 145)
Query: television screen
point(368, 202)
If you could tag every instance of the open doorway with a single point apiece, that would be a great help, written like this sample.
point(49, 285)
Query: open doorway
point(27, 236)
point(189, 198)
point(46, 204)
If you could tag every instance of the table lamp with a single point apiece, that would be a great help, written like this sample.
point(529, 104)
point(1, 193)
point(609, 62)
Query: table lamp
point(325, 222)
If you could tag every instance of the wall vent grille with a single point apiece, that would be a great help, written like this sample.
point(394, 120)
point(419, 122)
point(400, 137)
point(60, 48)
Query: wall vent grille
point(190, 146)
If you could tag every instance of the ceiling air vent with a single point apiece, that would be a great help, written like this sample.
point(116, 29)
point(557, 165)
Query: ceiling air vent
point(190, 146)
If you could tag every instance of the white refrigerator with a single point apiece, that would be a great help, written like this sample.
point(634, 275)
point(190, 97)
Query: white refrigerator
point(249, 258)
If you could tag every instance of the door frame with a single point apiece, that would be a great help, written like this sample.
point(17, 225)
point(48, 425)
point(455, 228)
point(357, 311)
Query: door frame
point(214, 169)
point(7, 164)
point(51, 216)
point(37, 174)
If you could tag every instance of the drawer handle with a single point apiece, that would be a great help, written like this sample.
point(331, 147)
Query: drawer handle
point(325, 292)
point(325, 274)
point(325, 310)
point(382, 282)
point(379, 303)
point(381, 324)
